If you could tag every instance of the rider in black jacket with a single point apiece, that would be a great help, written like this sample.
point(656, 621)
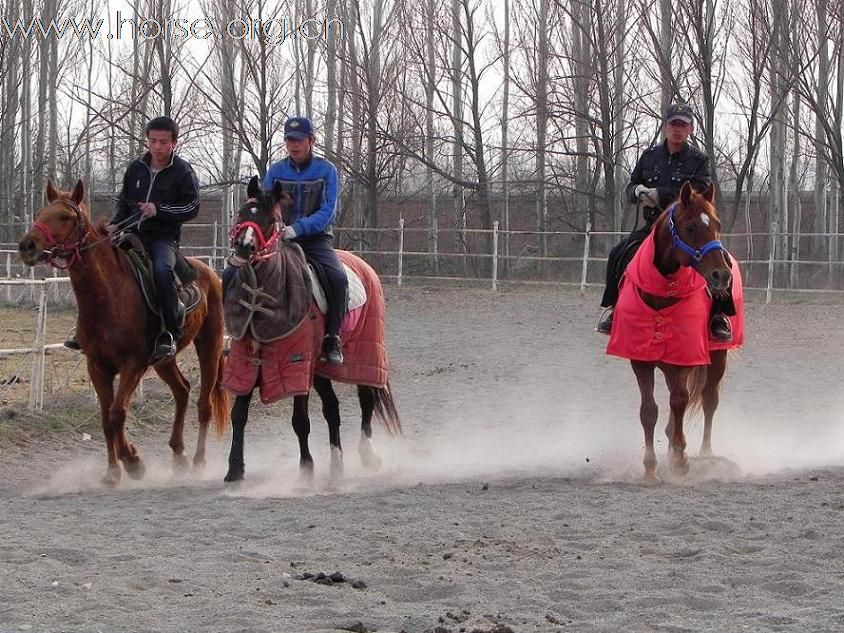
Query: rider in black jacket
point(162, 189)
point(655, 183)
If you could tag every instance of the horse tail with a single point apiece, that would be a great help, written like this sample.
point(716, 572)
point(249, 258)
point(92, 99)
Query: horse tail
point(220, 400)
point(384, 409)
point(695, 384)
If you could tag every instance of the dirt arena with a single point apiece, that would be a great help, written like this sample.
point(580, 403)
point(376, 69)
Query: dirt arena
point(512, 503)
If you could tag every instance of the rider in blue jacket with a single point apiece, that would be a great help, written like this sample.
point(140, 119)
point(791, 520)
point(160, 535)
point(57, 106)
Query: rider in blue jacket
point(313, 184)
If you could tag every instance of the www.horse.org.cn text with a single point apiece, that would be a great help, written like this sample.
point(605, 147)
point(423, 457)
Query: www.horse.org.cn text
point(272, 31)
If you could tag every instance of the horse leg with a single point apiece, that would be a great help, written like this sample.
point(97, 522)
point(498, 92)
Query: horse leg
point(240, 414)
point(302, 427)
point(648, 413)
point(676, 379)
point(104, 386)
point(366, 397)
point(331, 413)
point(209, 348)
point(709, 397)
point(126, 451)
point(169, 372)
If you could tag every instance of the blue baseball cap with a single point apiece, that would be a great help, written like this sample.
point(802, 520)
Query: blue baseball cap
point(298, 127)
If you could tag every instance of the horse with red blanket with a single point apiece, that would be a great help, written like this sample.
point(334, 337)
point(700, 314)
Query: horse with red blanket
point(273, 315)
point(661, 319)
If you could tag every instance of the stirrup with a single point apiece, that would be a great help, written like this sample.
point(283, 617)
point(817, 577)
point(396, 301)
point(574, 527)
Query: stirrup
point(165, 346)
point(604, 324)
point(331, 350)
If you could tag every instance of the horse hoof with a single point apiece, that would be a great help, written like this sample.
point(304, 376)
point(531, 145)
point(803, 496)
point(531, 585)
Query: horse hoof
point(234, 475)
point(135, 469)
point(199, 465)
point(306, 471)
point(112, 477)
point(180, 464)
point(370, 460)
point(680, 465)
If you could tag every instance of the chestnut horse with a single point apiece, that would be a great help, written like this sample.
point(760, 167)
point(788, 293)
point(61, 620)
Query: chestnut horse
point(117, 331)
point(661, 320)
point(255, 241)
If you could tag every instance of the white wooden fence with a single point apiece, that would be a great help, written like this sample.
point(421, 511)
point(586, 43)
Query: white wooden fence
point(20, 284)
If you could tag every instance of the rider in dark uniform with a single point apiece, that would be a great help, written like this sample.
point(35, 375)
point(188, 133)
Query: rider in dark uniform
point(655, 183)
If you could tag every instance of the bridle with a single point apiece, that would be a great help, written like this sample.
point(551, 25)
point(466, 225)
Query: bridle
point(267, 246)
point(696, 254)
point(70, 250)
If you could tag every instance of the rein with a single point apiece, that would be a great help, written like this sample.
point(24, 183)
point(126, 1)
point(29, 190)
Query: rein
point(59, 250)
point(696, 254)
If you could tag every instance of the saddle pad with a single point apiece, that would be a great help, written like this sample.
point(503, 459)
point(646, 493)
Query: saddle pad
point(357, 293)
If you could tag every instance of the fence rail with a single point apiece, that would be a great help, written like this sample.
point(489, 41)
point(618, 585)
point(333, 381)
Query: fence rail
point(572, 259)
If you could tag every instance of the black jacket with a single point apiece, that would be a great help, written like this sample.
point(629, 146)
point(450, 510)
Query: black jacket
point(667, 172)
point(173, 190)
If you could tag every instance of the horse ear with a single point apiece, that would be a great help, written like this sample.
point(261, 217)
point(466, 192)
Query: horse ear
point(253, 189)
point(78, 192)
point(685, 193)
point(709, 193)
point(51, 192)
point(278, 190)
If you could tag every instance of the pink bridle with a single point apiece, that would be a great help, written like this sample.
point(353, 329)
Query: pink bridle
point(266, 245)
point(59, 250)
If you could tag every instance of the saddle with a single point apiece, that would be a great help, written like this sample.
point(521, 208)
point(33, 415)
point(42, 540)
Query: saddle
point(188, 291)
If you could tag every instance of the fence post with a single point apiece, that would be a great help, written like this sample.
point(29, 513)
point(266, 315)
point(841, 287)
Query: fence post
point(772, 247)
point(214, 251)
point(495, 255)
point(8, 276)
point(36, 383)
point(585, 269)
point(401, 250)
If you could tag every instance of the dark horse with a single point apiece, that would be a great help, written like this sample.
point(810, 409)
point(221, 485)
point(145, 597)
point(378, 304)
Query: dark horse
point(256, 244)
point(117, 334)
point(662, 320)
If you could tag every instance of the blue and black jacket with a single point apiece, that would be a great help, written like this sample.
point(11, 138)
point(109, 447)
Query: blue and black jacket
point(313, 187)
point(173, 190)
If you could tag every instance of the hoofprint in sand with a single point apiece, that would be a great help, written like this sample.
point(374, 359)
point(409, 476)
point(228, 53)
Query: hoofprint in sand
point(512, 503)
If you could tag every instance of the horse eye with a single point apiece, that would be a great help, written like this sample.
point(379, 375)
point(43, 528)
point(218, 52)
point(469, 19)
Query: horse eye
point(690, 228)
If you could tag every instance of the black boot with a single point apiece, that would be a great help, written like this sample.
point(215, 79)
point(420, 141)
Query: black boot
point(73, 343)
point(165, 346)
point(605, 321)
point(720, 329)
point(331, 352)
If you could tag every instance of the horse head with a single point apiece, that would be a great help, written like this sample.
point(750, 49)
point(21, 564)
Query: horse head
point(258, 223)
point(689, 233)
point(59, 230)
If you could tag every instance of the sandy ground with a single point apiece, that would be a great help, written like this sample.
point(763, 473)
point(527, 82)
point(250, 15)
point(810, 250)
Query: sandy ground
point(512, 503)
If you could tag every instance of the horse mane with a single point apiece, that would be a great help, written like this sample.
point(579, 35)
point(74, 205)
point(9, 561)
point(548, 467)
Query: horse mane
point(99, 227)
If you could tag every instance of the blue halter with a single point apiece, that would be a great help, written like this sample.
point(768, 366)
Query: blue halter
point(696, 254)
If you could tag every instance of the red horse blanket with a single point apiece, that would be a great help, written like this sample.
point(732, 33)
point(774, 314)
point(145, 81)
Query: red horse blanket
point(364, 346)
point(678, 334)
point(285, 367)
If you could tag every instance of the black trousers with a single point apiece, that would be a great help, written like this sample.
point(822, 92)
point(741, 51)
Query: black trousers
point(163, 254)
point(620, 257)
point(320, 253)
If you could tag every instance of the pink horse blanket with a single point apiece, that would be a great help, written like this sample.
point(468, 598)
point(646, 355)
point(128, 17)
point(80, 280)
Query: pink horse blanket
point(678, 334)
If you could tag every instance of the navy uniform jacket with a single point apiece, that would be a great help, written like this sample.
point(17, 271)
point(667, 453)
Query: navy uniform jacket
point(667, 172)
